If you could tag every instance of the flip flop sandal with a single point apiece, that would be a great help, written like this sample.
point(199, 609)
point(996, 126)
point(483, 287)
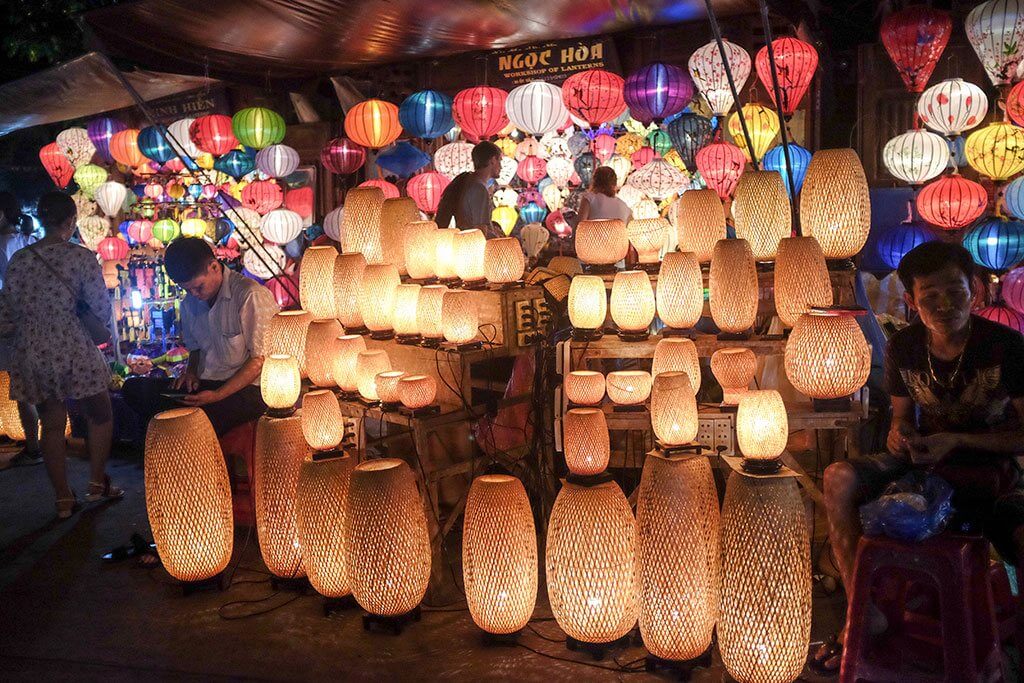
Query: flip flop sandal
point(103, 491)
point(833, 650)
point(138, 547)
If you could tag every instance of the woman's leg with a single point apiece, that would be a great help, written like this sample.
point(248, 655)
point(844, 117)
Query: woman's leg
point(100, 419)
point(29, 417)
point(53, 416)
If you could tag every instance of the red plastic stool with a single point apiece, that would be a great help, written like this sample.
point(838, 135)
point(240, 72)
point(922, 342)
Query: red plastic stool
point(238, 446)
point(962, 633)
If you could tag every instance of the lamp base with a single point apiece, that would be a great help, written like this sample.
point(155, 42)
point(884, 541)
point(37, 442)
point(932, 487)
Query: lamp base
point(583, 334)
point(390, 624)
point(338, 605)
point(298, 584)
point(432, 409)
point(408, 339)
point(682, 669)
point(760, 466)
point(589, 479)
point(333, 454)
point(361, 329)
point(597, 651)
point(390, 407)
point(733, 336)
point(452, 347)
point(382, 335)
point(649, 268)
point(431, 342)
point(831, 405)
point(728, 407)
point(280, 412)
point(422, 281)
point(500, 639)
point(629, 408)
point(347, 395)
point(673, 450)
point(688, 333)
point(474, 284)
point(628, 336)
point(217, 582)
point(505, 286)
point(600, 268)
point(572, 405)
point(369, 402)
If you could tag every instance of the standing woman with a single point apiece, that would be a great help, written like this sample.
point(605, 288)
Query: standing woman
point(55, 300)
point(601, 201)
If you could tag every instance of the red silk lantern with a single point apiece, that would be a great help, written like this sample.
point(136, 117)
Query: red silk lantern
point(284, 296)
point(140, 231)
point(300, 200)
point(390, 190)
point(642, 157)
point(56, 164)
point(795, 64)
point(124, 147)
point(1015, 103)
point(341, 156)
point(604, 147)
point(480, 111)
point(262, 196)
point(721, 164)
point(594, 96)
point(915, 38)
point(532, 169)
point(113, 249)
point(373, 124)
point(175, 165)
point(426, 189)
point(951, 202)
point(213, 134)
point(1004, 315)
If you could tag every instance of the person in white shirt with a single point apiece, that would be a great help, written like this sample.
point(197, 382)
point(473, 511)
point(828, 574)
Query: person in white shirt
point(601, 202)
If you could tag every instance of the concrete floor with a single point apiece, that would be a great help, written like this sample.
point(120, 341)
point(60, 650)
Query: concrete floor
point(64, 615)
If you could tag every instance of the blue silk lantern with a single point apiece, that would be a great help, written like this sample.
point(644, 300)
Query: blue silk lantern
point(139, 190)
point(123, 228)
point(657, 91)
point(996, 243)
point(403, 159)
point(235, 163)
point(957, 156)
point(100, 131)
point(659, 141)
point(426, 114)
point(195, 190)
point(153, 144)
point(585, 165)
point(533, 213)
point(222, 229)
point(775, 160)
point(1013, 197)
point(688, 133)
point(897, 241)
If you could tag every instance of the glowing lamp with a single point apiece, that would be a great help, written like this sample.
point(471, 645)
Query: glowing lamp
point(102, 129)
point(377, 298)
point(426, 114)
point(915, 37)
point(601, 242)
point(801, 278)
point(373, 123)
point(124, 147)
point(468, 255)
point(586, 441)
point(588, 305)
point(258, 127)
point(287, 335)
point(417, 391)
point(700, 222)
point(536, 107)
point(113, 249)
point(395, 215)
point(421, 249)
point(676, 354)
point(504, 261)
point(320, 338)
point(193, 227)
point(995, 30)
point(403, 318)
point(280, 226)
point(594, 96)
point(709, 73)
point(387, 386)
point(996, 244)
point(368, 365)
point(342, 156)
point(347, 280)
point(454, 158)
point(506, 217)
point(795, 64)
point(280, 382)
point(734, 369)
point(762, 213)
point(1013, 289)
point(951, 202)
point(344, 351)
point(1004, 315)
point(680, 293)
point(674, 409)
point(277, 161)
point(775, 160)
point(916, 156)
point(732, 286)
point(632, 304)
point(321, 499)
point(762, 126)
point(584, 387)
point(316, 281)
point(444, 253)
point(428, 312)
point(995, 151)
point(322, 423)
point(361, 223)
point(279, 452)
point(628, 387)
point(657, 91)
point(57, 165)
point(720, 165)
point(826, 355)
point(762, 429)
point(109, 195)
point(480, 111)
point(952, 106)
point(460, 319)
point(647, 235)
point(89, 177)
point(900, 239)
point(426, 190)
point(834, 204)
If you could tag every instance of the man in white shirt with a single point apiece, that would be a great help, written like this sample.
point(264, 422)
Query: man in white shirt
point(223, 324)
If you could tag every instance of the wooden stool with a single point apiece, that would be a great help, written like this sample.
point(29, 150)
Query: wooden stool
point(239, 446)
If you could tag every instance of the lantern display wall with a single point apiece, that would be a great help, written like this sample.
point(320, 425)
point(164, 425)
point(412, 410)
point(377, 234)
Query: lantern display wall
point(280, 450)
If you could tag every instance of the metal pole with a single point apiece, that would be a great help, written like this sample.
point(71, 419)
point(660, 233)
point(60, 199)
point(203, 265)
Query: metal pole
point(732, 83)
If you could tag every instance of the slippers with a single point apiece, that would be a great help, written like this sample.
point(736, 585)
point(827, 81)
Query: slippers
point(829, 650)
point(137, 547)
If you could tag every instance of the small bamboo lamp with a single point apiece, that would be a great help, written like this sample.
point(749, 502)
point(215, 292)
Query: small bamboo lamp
point(504, 261)
point(632, 304)
point(417, 391)
point(680, 295)
point(369, 364)
point(762, 430)
point(647, 235)
point(387, 549)
point(592, 573)
point(395, 216)
point(348, 278)
point(801, 278)
point(700, 222)
point(679, 556)
point(734, 369)
point(322, 423)
point(499, 554)
point(444, 254)
point(600, 244)
point(360, 223)
point(584, 387)
point(188, 495)
point(628, 387)
point(468, 251)
point(826, 355)
point(280, 384)
point(280, 450)
point(460, 319)
point(286, 334)
point(316, 281)
point(673, 354)
point(377, 299)
point(387, 387)
point(428, 313)
point(10, 420)
point(346, 349)
point(586, 441)
point(588, 306)
point(673, 410)
point(421, 250)
point(732, 286)
point(765, 623)
point(321, 499)
point(762, 212)
point(404, 316)
point(319, 351)
point(835, 207)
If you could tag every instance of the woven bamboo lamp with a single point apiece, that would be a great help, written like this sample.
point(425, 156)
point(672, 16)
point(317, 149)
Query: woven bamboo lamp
point(360, 223)
point(316, 281)
point(700, 222)
point(343, 358)
point(395, 215)
point(732, 286)
point(588, 306)
point(801, 278)
point(404, 315)
point(765, 621)
point(734, 369)
point(628, 387)
point(369, 364)
point(10, 420)
point(592, 574)
point(417, 391)
point(632, 304)
point(188, 495)
point(421, 249)
point(387, 386)
point(321, 499)
point(444, 254)
point(322, 423)
point(319, 351)
point(826, 355)
point(280, 450)
point(286, 334)
point(680, 293)
point(468, 254)
point(762, 212)
point(280, 383)
point(762, 430)
point(499, 554)
point(673, 354)
point(584, 387)
point(679, 556)
point(504, 261)
point(428, 313)
point(377, 298)
point(586, 441)
point(600, 244)
point(387, 549)
point(348, 277)
point(460, 319)
point(673, 410)
point(834, 204)
point(647, 235)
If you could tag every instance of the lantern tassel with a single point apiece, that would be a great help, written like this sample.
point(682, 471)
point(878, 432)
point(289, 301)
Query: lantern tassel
point(716, 29)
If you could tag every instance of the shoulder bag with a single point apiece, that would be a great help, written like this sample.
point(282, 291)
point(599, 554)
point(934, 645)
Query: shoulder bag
point(95, 327)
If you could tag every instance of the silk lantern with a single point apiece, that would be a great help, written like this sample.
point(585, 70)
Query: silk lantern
point(281, 226)
point(321, 500)
point(56, 164)
point(417, 391)
point(1004, 315)
point(100, 131)
point(76, 145)
point(996, 151)
point(420, 249)
point(342, 156)
point(124, 147)
point(801, 278)
point(588, 306)
point(952, 106)
point(700, 222)
point(110, 197)
point(258, 127)
point(734, 370)
point(316, 281)
point(996, 244)
point(368, 365)
point(347, 281)
point(689, 133)
point(480, 111)
point(468, 252)
point(762, 212)
point(826, 355)
point(584, 387)
point(657, 91)
point(900, 239)
point(428, 313)
point(193, 227)
point(426, 114)
point(377, 298)
point(677, 354)
point(454, 159)
point(113, 249)
point(733, 286)
point(995, 30)
point(795, 64)
point(361, 223)
point(277, 161)
point(280, 383)
point(915, 37)
point(720, 165)
point(586, 441)
point(632, 304)
point(279, 451)
point(267, 265)
point(916, 156)
point(709, 74)
point(673, 410)
point(89, 177)
point(262, 196)
point(629, 144)
point(622, 167)
point(680, 291)
point(775, 160)
point(426, 190)
point(531, 170)
point(213, 134)
point(594, 96)
point(536, 107)
point(835, 207)
point(460, 318)
point(647, 235)
point(154, 145)
point(951, 202)
point(1012, 289)
point(345, 350)
point(762, 126)
point(1015, 103)
point(166, 229)
point(390, 190)
point(601, 242)
point(506, 217)
point(585, 164)
point(504, 261)
point(1013, 197)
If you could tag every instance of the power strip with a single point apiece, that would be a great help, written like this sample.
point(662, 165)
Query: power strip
point(717, 432)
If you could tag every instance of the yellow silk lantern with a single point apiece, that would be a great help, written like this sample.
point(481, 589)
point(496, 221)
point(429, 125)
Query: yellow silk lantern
point(835, 207)
point(632, 304)
point(801, 278)
point(193, 227)
point(996, 151)
point(700, 222)
point(344, 351)
point(762, 213)
point(316, 281)
point(588, 305)
point(734, 369)
point(506, 217)
point(762, 125)
point(680, 294)
point(674, 409)
point(586, 441)
point(677, 354)
point(584, 387)
point(280, 450)
point(732, 286)
point(280, 381)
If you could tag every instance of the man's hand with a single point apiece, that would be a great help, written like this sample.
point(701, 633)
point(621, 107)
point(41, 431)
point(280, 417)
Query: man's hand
point(201, 399)
point(900, 436)
point(934, 448)
point(188, 382)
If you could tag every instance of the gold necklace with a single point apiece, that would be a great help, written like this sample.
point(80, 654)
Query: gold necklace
point(959, 360)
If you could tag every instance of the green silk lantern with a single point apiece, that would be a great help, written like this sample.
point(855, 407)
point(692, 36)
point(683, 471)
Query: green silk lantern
point(89, 177)
point(258, 127)
point(166, 229)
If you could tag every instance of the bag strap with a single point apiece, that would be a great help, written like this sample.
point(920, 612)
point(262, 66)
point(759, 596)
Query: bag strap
point(63, 280)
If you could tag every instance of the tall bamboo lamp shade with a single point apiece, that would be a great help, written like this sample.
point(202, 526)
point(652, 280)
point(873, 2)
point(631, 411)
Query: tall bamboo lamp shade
point(369, 364)
point(584, 387)
point(377, 298)
point(396, 214)
point(319, 351)
point(286, 334)
point(428, 313)
point(700, 222)
point(504, 261)
point(588, 306)
point(647, 235)
point(762, 213)
point(734, 369)
point(348, 278)
point(801, 278)
point(826, 355)
point(592, 574)
point(460, 319)
point(765, 620)
point(673, 354)
point(361, 223)
point(468, 256)
point(280, 450)
point(421, 249)
point(673, 409)
point(499, 554)
point(444, 254)
point(732, 286)
point(834, 204)
point(316, 281)
point(321, 500)
point(10, 420)
point(403, 317)
point(601, 243)
point(322, 423)
point(628, 387)
point(586, 441)
point(679, 556)
point(387, 549)
point(343, 358)
point(417, 391)
point(762, 429)
point(632, 304)
point(387, 386)
point(188, 495)
point(680, 294)
point(280, 383)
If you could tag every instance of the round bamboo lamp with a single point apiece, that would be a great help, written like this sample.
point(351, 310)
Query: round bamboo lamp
point(673, 354)
point(468, 254)
point(732, 286)
point(632, 304)
point(322, 423)
point(680, 293)
point(10, 420)
point(280, 382)
point(360, 223)
point(504, 260)
point(584, 387)
point(601, 242)
point(460, 319)
point(280, 450)
point(387, 386)
point(826, 354)
point(674, 409)
point(188, 495)
point(499, 554)
point(762, 429)
point(628, 387)
point(369, 364)
point(286, 334)
point(835, 206)
point(387, 549)
point(316, 281)
point(588, 305)
point(700, 222)
point(428, 312)
point(377, 298)
point(348, 278)
point(679, 556)
point(765, 621)
point(444, 254)
point(586, 441)
point(404, 315)
point(762, 212)
point(319, 347)
point(734, 369)
point(647, 235)
point(421, 249)
point(801, 278)
point(592, 573)
point(343, 368)
point(321, 499)
point(396, 214)
point(417, 391)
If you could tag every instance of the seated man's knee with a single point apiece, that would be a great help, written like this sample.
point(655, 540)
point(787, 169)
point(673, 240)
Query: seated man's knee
point(841, 480)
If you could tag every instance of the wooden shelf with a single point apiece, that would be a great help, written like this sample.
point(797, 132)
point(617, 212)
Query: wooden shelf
point(800, 417)
point(610, 346)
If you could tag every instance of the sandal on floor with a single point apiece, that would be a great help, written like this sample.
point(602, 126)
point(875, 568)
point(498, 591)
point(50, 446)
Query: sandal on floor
point(103, 491)
point(67, 506)
point(830, 650)
point(137, 547)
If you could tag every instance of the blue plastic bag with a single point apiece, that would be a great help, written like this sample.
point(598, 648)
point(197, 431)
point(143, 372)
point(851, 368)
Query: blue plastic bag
point(913, 508)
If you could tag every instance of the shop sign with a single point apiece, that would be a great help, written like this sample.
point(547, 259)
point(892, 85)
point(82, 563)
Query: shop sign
point(552, 62)
point(193, 104)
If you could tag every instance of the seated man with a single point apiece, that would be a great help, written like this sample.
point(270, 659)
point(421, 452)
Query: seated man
point(223, 322)
point(957, 387)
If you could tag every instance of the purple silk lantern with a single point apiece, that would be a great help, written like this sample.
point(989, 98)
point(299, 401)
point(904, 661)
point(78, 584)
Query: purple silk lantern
point(100, 131)
point(657, 91)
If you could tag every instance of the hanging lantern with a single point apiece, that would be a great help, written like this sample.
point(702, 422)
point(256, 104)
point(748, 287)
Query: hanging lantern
point(996, 151)
point(762, 126)
point(480, 111)
point(657, 91)
point(795, 64)
point(426, 114)
point(180, 140)
point(235, 163)
point(193, 227)
point(361, 223)
point(720, 165)
point(428, 312)
point(801, 278)
point(271, 263)
point(952, 106)
point(468, 251)
point(321, 499)
point(531, 170)
point(700, 222)
point(278, 455)
point(585, 164)
point(1015, 103)
point(262, 196)
point(454, 159)
point(658, 180)
point(834, 204)
point(604, 146)
point(775, 160)
point(915, 37)
point(916, 156)
point(100, 131)
point(594, 96)
point(213, 134)
point(390, 190)
point(629, 144)
point(153, 144)
point(76, 146)
point(140, 232)
point(677, 354)
point(536, 107)
point(622, 167)
point(647, 235)
point(113, 249)
point(732, 286)
point(316, 281)
point(995, 30)
point(504, 261)
point(417, 391)
point(588, 305)
point(632, 304)
point(345, 351)
point(320, 338)
point(1013, 289)
point(426, 190)
point(402, 159)
point(188, 495)
point(124, 147)
point(166, 229)
point(281, 226)
point(709, 74)
point(689, 133)
point(368, 365)
point(277, 161)
point(56, 164)
point(996, 244)
point(342, 156)
point(348, 275)
point(900, 239)
point(762, 212)
point(584, 388)
point(377, 297)
point(734, 370)
point(460, 319)
point(673, 409)
point(951, 202)
point(89, 177)
point(586, 441)
point(1004, 315)
point(826, 355)
point(109, 196)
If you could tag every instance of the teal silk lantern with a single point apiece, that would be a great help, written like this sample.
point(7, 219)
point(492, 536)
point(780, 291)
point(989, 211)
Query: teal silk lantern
point(996, 243)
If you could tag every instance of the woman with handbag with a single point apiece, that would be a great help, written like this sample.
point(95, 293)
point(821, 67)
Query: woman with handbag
point(57, 306)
